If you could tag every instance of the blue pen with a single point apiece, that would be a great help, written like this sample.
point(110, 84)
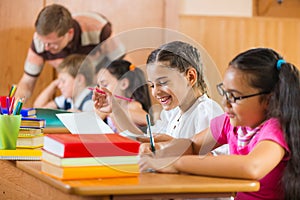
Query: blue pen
point(152, 144)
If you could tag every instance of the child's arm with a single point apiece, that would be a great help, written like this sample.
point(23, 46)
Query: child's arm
point(258, 163)
point(45, 99)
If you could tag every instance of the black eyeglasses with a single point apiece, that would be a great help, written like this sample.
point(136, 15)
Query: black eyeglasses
point(231, 98)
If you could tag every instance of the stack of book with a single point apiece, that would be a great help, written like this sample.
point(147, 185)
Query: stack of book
point(31, 133)
point(89, 156)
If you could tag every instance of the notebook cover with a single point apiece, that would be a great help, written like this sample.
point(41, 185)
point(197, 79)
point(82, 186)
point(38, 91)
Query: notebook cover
point(50, 116)
point(21, 154)
point(87, 145)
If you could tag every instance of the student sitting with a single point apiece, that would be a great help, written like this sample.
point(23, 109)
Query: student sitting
point(175, 75)
point(75, 74)
point(261, 95)
point(124, 79)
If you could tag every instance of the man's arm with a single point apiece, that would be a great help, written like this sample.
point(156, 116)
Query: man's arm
point(32, 69)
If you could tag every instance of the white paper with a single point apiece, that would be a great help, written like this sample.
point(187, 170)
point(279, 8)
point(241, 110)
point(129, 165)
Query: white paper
point(131, 135)
point(84, 123)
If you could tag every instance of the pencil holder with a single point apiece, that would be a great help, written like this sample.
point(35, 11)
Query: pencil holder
point(9, 130)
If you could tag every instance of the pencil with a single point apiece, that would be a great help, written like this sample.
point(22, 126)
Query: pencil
point(12, 90)
point(117, 96)
point(152, 144)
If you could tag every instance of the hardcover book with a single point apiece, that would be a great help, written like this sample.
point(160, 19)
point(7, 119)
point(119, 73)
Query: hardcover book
point(87, 161)
point(29, 122)
point(91, 172)
point(25, 112)
point(30, 141)
point(90, 145)
point(26, 132)
point(50, 116)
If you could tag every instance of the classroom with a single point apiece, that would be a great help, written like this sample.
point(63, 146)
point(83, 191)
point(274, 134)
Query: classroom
point(221, 29)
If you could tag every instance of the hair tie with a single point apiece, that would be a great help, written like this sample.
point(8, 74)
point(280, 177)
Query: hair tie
point(279, 63)
point(131, 67)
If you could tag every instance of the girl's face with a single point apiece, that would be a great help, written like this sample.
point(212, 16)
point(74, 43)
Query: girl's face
point(107, 80)
point(66, 84)
point(169, 86)
point(245, 112)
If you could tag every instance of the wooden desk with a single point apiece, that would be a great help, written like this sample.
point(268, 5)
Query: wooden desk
point(16, 183)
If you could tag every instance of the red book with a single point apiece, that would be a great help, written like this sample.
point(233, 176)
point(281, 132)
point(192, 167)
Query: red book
point(90, 145)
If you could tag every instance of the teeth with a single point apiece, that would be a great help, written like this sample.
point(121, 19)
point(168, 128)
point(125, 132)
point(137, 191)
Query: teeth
point(163, 99)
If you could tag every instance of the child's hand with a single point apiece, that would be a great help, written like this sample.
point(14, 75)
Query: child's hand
point(145, 149)
point(157, 138)
point(165, 165)
point(54, 84)
point(102, 101)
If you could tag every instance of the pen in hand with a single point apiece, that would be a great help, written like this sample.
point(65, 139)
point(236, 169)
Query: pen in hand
point(117, 96)
point(152, 144)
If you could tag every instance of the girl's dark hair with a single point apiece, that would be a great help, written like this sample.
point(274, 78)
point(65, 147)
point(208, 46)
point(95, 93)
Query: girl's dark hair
point(181, 56)
point(284, 85)
point(138, 88)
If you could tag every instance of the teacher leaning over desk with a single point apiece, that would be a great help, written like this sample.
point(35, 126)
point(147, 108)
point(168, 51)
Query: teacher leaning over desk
point(57, 35)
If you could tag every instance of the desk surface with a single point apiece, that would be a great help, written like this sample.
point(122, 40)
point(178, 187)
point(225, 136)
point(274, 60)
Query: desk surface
point(145, 183)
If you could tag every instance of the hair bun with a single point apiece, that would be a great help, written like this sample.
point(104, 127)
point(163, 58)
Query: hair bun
point(131, 67)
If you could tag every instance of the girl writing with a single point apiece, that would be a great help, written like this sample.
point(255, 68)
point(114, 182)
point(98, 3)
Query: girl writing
point(261, 98)
point(175, 75)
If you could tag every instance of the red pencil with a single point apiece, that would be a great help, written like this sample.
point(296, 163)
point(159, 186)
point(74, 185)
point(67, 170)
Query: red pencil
point(117, 96)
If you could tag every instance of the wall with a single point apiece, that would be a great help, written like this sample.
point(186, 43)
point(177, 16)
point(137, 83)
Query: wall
point(17, 26)
point(271, 25)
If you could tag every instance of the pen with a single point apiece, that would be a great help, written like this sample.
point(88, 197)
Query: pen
point(152, 144)
point(117, 96)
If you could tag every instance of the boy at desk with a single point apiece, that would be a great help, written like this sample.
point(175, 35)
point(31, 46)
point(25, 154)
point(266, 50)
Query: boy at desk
point(75, 74)
point(261, 95)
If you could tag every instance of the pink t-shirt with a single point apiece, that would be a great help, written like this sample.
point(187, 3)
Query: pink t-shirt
point(224, 133)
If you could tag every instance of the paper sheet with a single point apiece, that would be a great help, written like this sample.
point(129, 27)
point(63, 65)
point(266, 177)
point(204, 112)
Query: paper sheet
point(84, 122)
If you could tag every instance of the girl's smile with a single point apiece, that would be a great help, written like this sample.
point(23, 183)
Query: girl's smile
point(165, 88)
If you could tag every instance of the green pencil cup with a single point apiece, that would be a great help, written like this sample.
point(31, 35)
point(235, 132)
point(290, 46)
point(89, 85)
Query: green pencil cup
point(9, 130)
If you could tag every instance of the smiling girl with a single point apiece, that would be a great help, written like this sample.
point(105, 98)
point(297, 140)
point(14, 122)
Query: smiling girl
point(261, 95)
point(175, 75)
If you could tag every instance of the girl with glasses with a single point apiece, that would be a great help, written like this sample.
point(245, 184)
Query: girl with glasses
point(261, 96)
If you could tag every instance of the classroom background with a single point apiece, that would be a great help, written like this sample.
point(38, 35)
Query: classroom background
point(223, 27)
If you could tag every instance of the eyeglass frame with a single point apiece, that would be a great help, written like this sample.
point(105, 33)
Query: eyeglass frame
point(226, 94)
point(55, 44)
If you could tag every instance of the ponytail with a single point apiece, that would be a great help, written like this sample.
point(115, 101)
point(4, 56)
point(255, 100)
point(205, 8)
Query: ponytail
point(285, 105)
